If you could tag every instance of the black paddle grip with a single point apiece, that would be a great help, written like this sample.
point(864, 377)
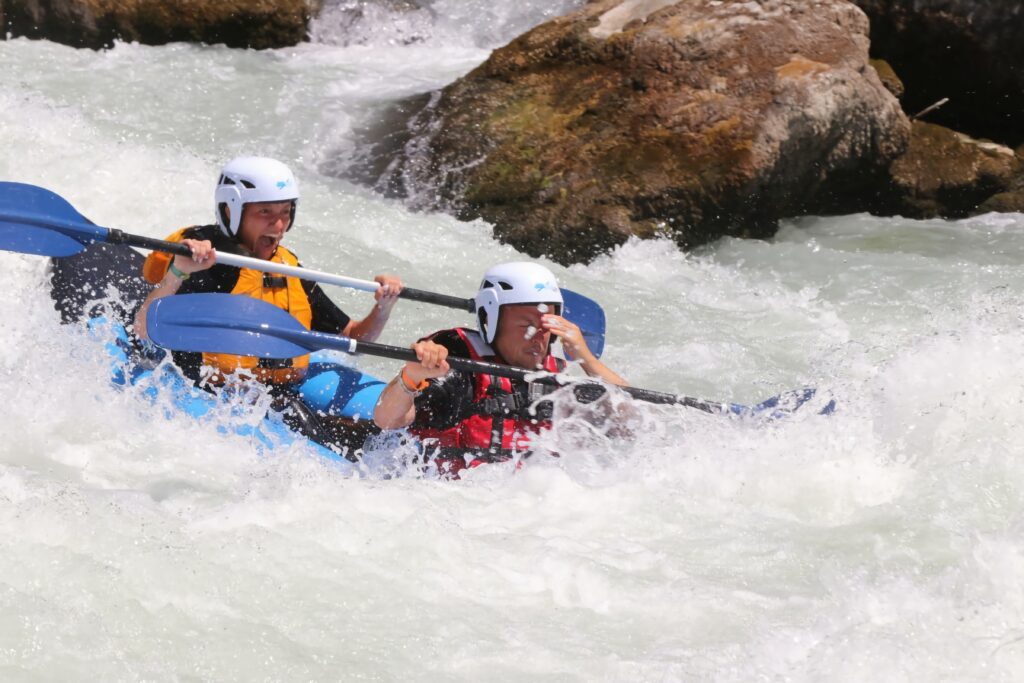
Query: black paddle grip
point(115, 236)
point(465, 364)
point(439, 299)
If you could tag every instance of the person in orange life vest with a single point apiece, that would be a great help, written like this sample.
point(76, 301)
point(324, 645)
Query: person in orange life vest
point(255, 204)
point(487, 417)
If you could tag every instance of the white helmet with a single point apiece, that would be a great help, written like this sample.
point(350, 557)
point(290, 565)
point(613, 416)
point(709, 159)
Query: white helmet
point(250, 180)
point(512, 283)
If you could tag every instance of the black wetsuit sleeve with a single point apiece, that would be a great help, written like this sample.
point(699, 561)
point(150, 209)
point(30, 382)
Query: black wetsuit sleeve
point(449, 399)
point(217, 280)
point(327, 317)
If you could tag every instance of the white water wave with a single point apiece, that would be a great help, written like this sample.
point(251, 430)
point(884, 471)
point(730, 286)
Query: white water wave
point(880, 543)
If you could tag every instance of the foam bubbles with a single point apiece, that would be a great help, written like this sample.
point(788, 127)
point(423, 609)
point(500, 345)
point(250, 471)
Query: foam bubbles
point(649, 542)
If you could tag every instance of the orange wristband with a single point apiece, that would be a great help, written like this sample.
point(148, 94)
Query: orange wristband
point(409, 386)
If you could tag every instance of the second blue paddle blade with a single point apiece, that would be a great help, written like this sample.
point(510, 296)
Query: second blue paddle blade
point(589, 316)
point(223, 323)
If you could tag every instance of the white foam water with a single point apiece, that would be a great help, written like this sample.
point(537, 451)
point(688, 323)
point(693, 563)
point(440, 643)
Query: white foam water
point(883, 542)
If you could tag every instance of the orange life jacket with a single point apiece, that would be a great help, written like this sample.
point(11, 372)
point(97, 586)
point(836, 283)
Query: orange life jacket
point(284, 292)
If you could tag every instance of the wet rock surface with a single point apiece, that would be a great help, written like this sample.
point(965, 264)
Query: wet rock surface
point(97, 24)
point(945, 173)
point(692, 120)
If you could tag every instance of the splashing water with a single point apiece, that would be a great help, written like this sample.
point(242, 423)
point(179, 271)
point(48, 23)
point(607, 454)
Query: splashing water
point(881, 543)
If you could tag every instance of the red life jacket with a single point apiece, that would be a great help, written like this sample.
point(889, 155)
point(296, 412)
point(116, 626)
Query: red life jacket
point(497, 427)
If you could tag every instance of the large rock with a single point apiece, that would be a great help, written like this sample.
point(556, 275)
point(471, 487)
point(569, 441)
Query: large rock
point(1004, 202)
point(945, 173)
point(98, 23)
point(970, 51)
point(1012, 198)
point(694, 119)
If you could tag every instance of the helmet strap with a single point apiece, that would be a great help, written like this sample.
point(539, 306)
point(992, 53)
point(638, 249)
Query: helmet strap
point(291, 221)
point(481, 321)
point(225, 218)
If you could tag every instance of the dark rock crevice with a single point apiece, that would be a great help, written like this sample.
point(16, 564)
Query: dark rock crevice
point(969, 51)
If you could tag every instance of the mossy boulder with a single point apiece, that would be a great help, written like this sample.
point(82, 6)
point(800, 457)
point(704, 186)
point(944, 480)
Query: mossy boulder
point(946, 173)
point(1003, 202)
point(887, 75)
point(692, 119)
point(1012, 199)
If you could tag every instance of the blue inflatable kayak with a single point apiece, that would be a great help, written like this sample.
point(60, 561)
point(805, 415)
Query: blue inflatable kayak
point(331, 409)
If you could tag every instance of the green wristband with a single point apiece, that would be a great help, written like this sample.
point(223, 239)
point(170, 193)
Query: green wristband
point(173, 270)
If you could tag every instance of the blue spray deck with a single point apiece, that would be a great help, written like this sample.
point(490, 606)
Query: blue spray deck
point(102, 286)
point(331, 389)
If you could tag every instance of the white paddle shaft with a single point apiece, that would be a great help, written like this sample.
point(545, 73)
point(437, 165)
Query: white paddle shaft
point(294, 271)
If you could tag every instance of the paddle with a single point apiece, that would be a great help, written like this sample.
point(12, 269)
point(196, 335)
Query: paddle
point(226, 323)
point(34, 220)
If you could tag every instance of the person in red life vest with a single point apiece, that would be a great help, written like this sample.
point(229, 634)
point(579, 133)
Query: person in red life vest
point(467, 419)
point(255, 204)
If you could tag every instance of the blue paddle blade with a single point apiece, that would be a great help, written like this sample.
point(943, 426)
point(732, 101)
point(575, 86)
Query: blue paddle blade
point(226, 323)
point(16, 236)
point(34, 220)
point(589, 316)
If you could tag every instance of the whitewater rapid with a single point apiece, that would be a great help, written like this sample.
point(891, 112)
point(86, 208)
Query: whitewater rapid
point(885, 542)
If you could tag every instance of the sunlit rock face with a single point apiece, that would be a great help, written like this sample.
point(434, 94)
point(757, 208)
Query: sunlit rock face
point(692, 119)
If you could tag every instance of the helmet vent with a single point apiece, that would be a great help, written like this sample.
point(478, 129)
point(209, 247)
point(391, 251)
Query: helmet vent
point(504, 285)
point(247, 184)
point(224, 180)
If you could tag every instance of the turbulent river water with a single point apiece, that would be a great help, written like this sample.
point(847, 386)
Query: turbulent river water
point(885, 542)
